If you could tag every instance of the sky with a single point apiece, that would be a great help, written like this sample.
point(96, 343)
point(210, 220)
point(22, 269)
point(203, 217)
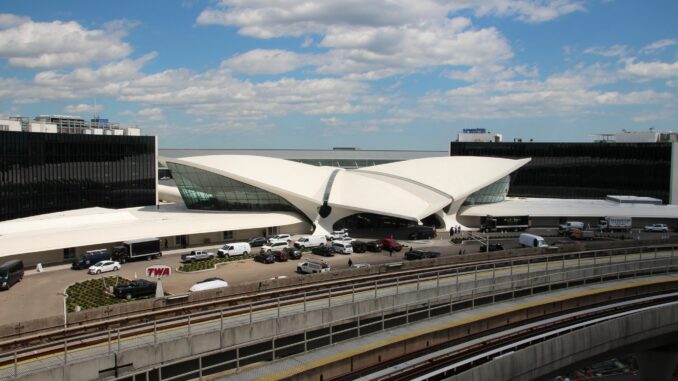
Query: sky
point(378, 74)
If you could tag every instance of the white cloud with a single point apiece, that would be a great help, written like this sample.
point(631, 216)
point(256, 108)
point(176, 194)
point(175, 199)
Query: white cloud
point(9, 20)
point(612, 51)
point(154, 113)
point(30, 44)
point(263, 61)
point(83, 108)
point(652, 70)
point(659, 45)
point(563, 94)
point(269, 19)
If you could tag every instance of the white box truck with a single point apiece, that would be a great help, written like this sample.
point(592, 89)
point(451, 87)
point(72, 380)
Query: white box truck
point(615, 224)
point(532, 240)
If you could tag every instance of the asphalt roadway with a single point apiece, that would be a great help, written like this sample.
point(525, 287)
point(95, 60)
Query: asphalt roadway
point(38, 294)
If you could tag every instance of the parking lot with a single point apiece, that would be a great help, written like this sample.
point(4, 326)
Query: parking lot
point(38, 294)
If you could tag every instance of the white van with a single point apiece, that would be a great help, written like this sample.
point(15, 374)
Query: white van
point(568, 226)
point(309, 241)
point(342, 247)
point(531, 240)
point(234, 249)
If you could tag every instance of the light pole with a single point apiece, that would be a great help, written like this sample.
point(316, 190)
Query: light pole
point(65, 312)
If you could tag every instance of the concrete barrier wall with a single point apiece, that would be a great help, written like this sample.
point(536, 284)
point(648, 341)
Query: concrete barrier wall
point(151, 304)
point(544, 358)
point(184, 347)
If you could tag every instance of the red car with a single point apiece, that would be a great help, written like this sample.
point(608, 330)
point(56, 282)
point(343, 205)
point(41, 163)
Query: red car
point(389, 244)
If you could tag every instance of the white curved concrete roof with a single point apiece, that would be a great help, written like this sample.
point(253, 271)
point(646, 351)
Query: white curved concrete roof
point(457, 176)
point(412, 189)
point(548, 207)
point(94, 226)
point(380, 194)
point(274, 175)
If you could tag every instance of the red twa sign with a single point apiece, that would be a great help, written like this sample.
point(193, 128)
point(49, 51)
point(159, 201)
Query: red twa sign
point(158, 271)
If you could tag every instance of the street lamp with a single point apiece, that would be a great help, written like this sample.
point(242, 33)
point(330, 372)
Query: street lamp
point(65, 312)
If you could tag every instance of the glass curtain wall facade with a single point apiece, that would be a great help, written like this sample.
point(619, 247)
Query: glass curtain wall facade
point(205, 190)
point(45, 173)
point(495, 192)
point(582, 170)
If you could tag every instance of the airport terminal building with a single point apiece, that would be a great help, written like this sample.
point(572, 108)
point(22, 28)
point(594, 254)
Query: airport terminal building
point(232, 195)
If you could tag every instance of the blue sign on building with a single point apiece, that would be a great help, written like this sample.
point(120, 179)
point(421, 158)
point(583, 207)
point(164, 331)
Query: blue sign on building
point(475, 131)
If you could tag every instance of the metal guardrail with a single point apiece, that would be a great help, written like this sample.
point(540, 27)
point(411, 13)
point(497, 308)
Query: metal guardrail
point(410, 312)
point(114, 342)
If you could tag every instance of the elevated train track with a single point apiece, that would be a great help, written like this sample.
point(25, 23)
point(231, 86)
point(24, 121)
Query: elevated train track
point(319, 289)
point(112, 332)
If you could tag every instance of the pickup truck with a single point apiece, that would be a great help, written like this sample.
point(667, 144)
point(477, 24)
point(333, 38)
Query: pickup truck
point(313, 267)
point(135, 289)
point(197, 255)
point(657, 228)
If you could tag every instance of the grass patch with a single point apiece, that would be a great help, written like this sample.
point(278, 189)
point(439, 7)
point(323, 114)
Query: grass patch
point(93, 293)
point(208, 265)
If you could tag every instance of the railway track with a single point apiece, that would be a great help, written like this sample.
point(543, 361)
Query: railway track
point(454, 357)
point(410, 278)
point(310, 291)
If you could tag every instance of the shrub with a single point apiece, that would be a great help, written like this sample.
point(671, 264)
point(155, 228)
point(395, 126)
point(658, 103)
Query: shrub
point(92, 293)
point(208, 265)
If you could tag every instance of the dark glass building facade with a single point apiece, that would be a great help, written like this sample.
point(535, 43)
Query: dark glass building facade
point(582, 170)
point(205, 190)
point(44, 173)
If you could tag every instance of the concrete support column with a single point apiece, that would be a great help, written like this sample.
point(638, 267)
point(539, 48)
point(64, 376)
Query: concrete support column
point(658, 364)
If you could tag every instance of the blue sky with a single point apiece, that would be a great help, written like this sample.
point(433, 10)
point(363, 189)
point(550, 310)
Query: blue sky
point(383, 74)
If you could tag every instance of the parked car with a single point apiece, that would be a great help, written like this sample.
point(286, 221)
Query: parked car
point(208, 284)
point(279, 238)
point(292, 253)
point(493, 247)
point(390, 243)
point(656, 228)
point(374, 246)
point(135, 289)
point(234, 249)
point(325, 251)
point(257, 241)
point(280, 256)
point(421, 254)
point(104, 266)
point(421, 234)
point(342, 247)
point(264, 257)
point(337, 234)
point(197, 255)
point(11, 272)
point(274, 247)
point(359, 246)
point(360, 266)
point(346, 239)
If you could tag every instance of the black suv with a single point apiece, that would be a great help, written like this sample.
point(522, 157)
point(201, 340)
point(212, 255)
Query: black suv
point(359, 246)
point(421, 254)
point(374, 246)
point(135, 289)
point(257, 241)
point(264, 258)
point(421, 234)
point(325, 251)
point(292, 253)
point(493, 247)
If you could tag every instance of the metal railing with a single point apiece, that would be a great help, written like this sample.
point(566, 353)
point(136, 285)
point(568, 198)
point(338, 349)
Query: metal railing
point(396, 315)
point(542, 270)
